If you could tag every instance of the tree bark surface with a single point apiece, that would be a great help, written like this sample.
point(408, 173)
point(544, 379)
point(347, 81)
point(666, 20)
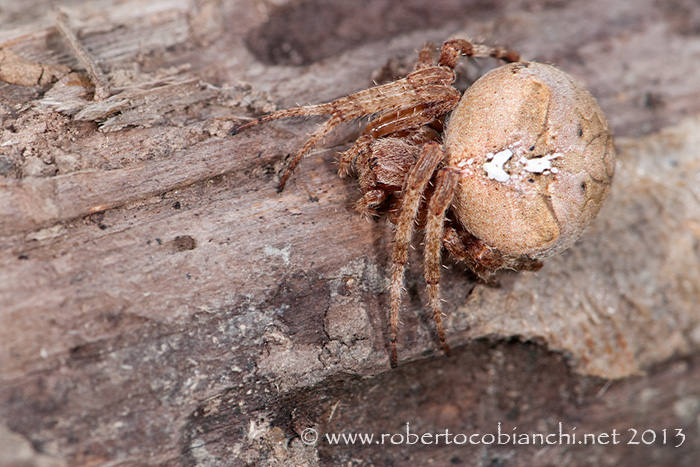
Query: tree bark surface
point(161, 303)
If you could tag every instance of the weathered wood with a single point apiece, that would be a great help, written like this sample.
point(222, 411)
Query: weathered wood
point(161, 303)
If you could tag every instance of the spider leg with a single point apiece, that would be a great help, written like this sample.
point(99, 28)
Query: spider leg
point(427, 102)
point(440, 201)
point(416, 181)
point(347, 158)
point(463, 246)
point(452, 49)
point(331, 123)
point(405, 92)
point(455, 245)
point(482, 259)
point(366, 205)
point(443, 100)
point(306, 111)
point(423, 87)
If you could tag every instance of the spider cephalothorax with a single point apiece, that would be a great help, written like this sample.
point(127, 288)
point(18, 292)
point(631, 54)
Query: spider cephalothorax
point(521, 168)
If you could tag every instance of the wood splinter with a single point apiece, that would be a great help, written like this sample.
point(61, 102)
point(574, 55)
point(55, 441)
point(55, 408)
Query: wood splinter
point(98, 78)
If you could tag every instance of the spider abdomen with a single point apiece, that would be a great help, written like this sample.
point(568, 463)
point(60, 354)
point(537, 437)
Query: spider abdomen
point(535, 157)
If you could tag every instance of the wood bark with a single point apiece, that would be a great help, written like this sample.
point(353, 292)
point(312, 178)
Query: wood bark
point(161, 303)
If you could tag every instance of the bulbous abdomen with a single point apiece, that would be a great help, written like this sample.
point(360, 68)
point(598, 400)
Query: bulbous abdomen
point(535, 156)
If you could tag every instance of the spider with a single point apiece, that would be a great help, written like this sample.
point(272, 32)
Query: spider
point(503, 176)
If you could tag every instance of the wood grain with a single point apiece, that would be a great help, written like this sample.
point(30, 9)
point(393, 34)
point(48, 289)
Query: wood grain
point(161, 303)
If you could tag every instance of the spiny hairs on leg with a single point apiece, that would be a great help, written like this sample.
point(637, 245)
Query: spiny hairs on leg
point(309, 110)
point(440, 201)
point(452, 49)
point(414, 186)
point(331, 123)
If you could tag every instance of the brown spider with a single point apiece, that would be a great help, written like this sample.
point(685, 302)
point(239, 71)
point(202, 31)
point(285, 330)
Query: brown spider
point(521, 168)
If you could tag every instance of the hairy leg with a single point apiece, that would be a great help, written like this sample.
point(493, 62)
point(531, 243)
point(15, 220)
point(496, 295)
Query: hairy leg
point(482, 259)
point(411, 91)
point(366, 206)
point(417, 99)
point(440, 201)
point(347, 158)
point(331, 123)
point(449, 55)
point(452, 49)
point(426, 89)
point(414, 117)
point(416, 181)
